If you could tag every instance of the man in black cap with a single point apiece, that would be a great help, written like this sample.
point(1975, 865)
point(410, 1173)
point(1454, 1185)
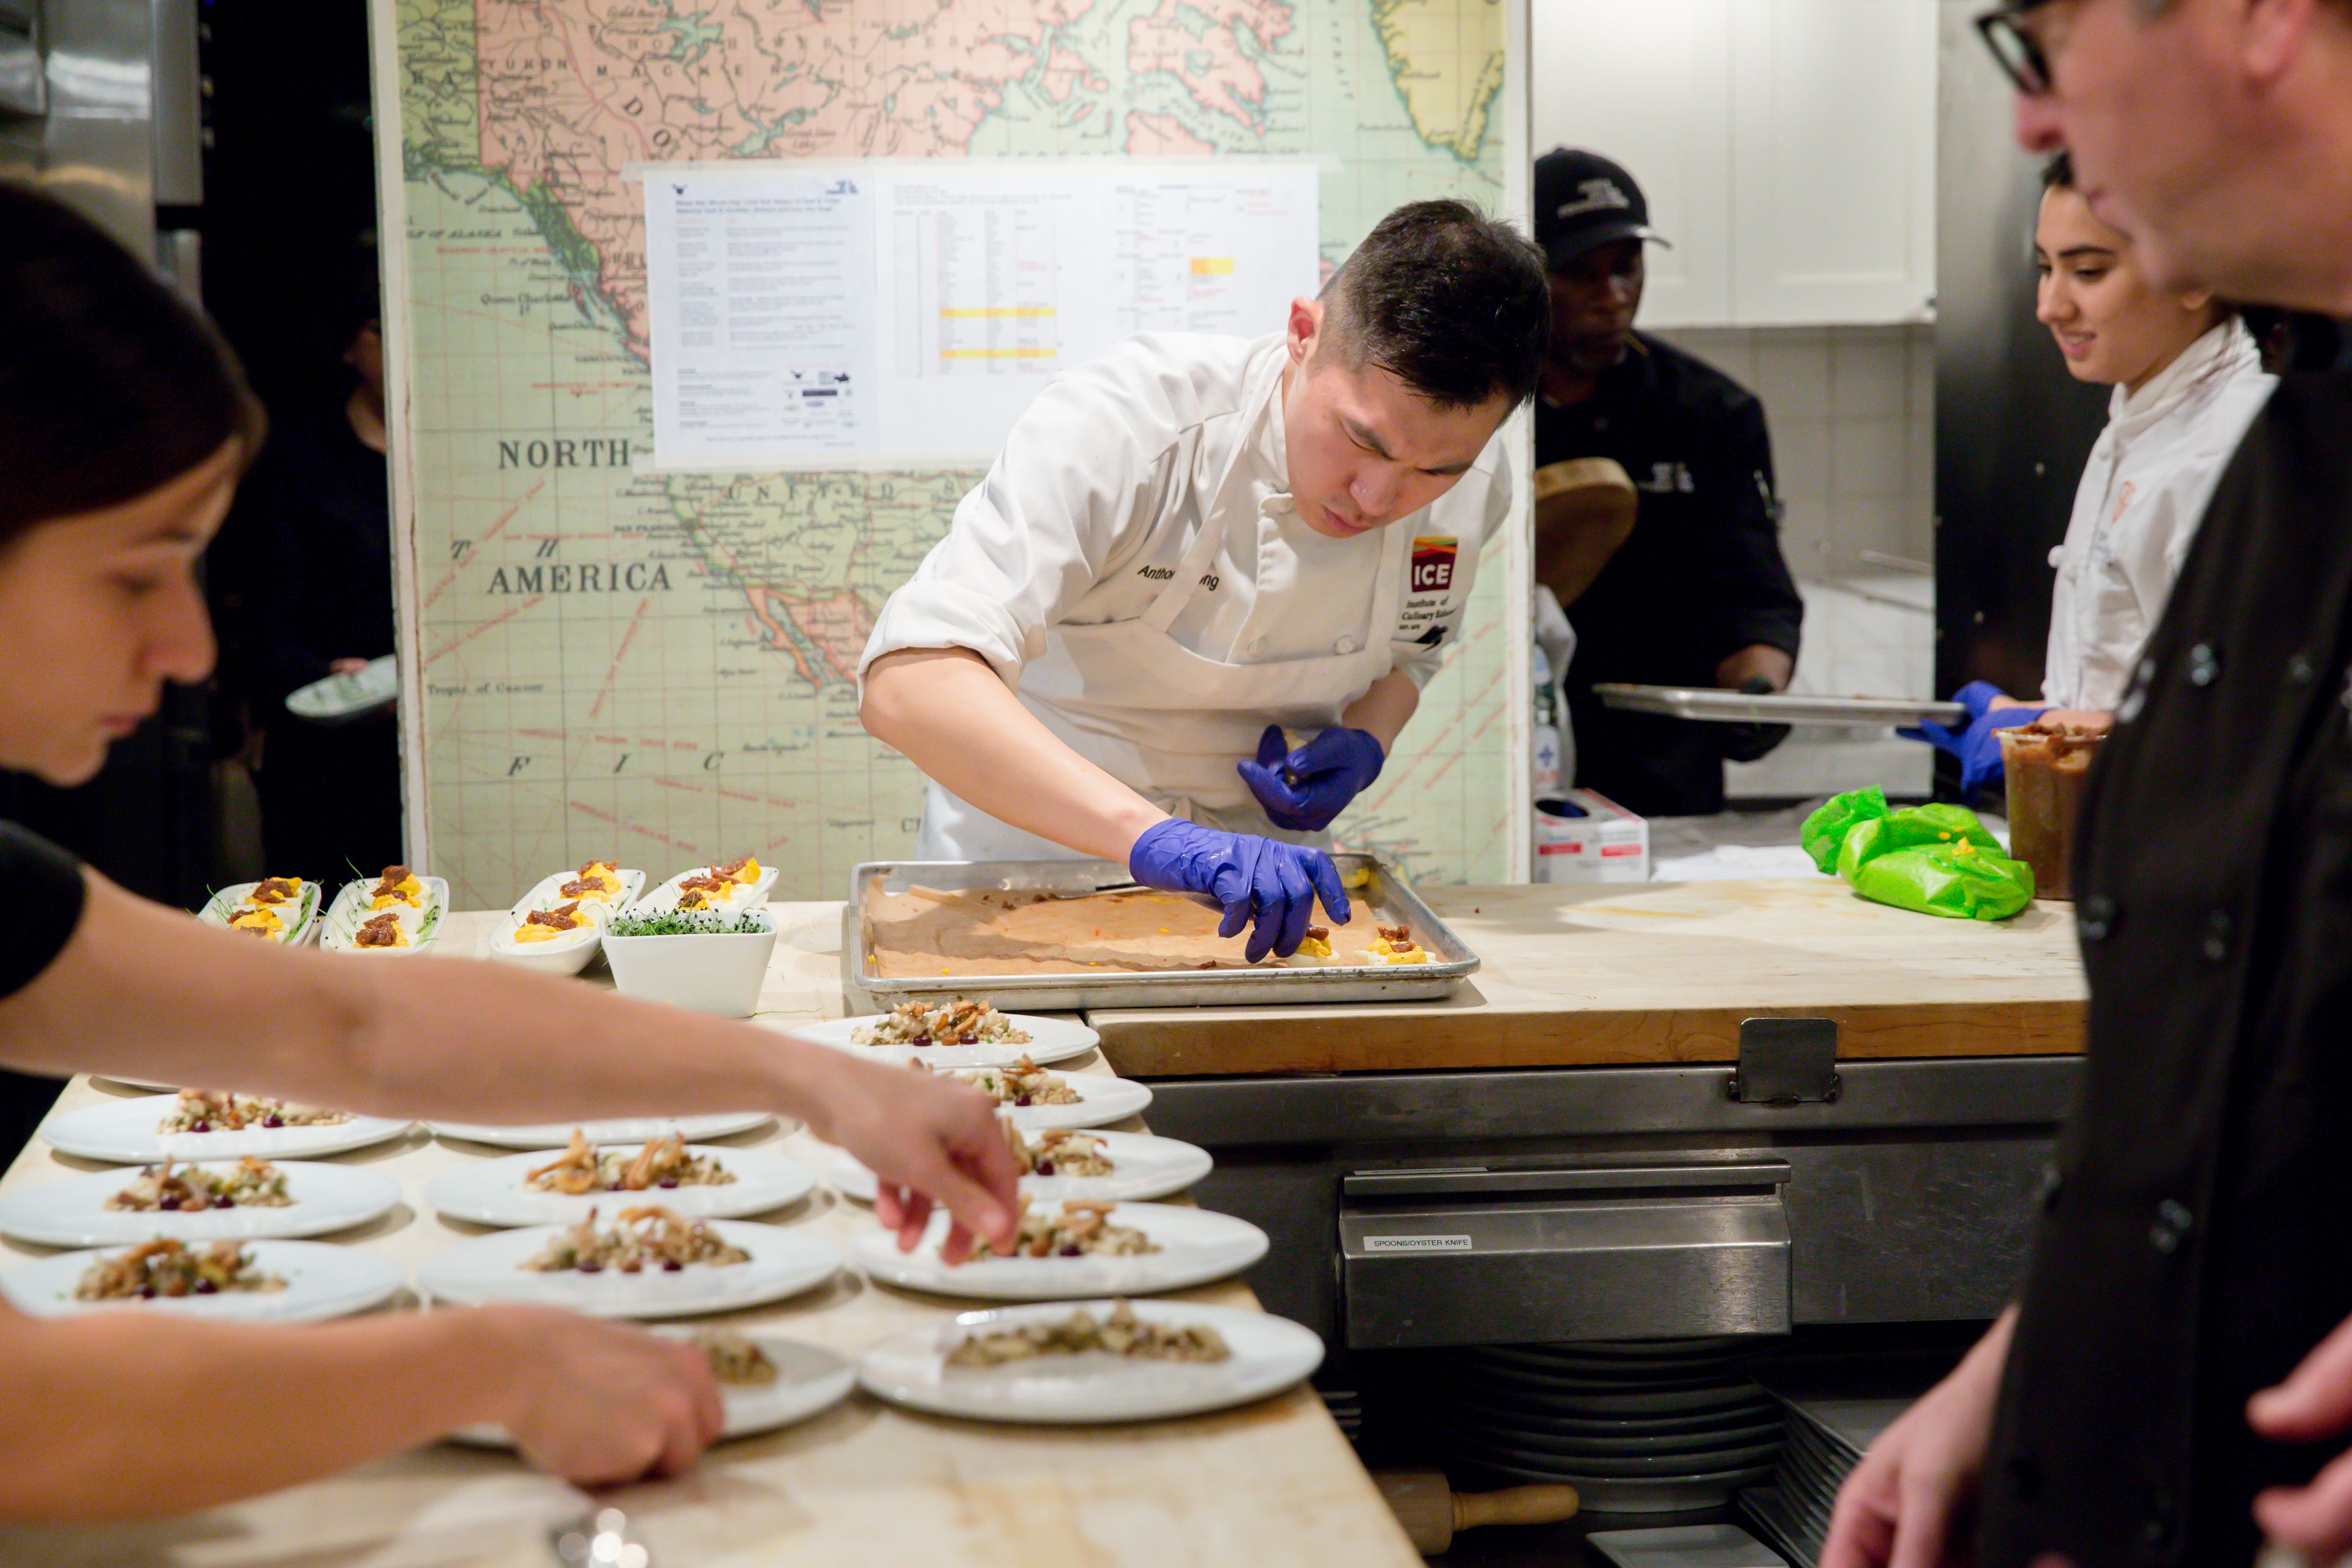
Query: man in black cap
point(1698, 594)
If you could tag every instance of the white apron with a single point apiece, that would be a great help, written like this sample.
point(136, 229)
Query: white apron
point(1138, 665)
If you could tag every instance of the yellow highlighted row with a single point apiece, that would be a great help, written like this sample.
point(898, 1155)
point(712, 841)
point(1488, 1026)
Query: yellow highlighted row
point(1213, 266)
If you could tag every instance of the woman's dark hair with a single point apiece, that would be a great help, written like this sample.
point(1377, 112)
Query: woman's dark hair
point(110, 384)
point(1452, 302)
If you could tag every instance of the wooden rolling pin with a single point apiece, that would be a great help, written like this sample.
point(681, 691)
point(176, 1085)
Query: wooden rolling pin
point(1431, 1511)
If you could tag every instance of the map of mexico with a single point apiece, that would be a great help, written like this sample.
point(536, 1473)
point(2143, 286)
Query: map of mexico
point(660, 665)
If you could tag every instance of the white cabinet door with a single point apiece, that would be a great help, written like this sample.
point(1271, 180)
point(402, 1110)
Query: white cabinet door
point(1648, 84)
point(1833, 120)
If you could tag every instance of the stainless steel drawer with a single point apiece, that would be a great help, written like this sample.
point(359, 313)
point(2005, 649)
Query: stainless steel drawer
point(1645, 1251)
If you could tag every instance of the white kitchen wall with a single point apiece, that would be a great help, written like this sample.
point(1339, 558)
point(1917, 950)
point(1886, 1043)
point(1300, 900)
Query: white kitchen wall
point(1852, 417)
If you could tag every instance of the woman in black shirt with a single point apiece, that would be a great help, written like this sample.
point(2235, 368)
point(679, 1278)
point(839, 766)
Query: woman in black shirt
point(124, 428)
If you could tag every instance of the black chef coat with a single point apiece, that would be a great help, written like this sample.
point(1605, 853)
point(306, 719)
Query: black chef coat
point(1700, 577)
point(2194, 1246)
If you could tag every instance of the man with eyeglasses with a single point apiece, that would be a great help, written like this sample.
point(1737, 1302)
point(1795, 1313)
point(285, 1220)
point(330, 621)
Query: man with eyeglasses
point(2156, 1397)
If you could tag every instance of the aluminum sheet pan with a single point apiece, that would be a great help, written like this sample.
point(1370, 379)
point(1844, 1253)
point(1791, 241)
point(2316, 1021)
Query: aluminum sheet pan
point(1774, 708)
point(1451, 962)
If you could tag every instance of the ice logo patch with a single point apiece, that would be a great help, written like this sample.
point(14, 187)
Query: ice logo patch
point(1593, 197)
point(1433, 564)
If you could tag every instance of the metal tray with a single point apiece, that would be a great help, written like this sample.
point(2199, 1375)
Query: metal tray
point(1451, 962)
point(1774, 708)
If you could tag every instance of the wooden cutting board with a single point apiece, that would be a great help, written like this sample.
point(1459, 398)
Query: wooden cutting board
point(1659, 972)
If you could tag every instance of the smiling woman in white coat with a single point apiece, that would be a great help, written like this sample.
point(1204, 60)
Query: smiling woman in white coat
point(1197, 542)
point(2188, 380)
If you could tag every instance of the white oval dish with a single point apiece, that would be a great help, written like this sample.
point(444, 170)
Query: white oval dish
point(339, 697)
point(623, 1130)
point(492, 1192)
point(810, 1380)
point(664, 897)
point(221, 905)
point(123, 1132)
point(1101, 1100)
point(339, 927)
point(1196, 1247)
point(1050, 1040)
point(1269, 1355)
point(72, 1212)
point(489, 1268)
point(322, 1280)
point(574, 950)
point(1144, 1167)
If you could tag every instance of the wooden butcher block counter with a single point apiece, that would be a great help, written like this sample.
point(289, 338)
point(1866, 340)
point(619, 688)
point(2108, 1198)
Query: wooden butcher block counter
point(1623, 973)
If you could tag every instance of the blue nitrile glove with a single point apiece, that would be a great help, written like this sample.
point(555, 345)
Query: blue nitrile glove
point(1304, 790)
point(1257, 880)
point(1979, 745)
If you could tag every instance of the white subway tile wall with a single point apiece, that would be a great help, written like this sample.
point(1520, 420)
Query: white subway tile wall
point(1851, 412)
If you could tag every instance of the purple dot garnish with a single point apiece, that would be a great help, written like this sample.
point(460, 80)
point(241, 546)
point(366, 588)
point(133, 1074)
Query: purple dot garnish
point(225, 1201)
point(146, 1293)
point(922, 1040)
point(206, 1288)
point(1024, 1100)
point(1069, 1251)
point(672, 1266)
point(1044, 1167)
point(668, 1182)
point(202, 1127)
point(273, 1121)
point(968, 1040)
point(167, 1202)
point(591, 1267)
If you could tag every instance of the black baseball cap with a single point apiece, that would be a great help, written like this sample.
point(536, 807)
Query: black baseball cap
point(1583, 201)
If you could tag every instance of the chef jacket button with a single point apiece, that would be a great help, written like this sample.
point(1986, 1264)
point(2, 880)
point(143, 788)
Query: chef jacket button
point(2215, 945)
point(2052, 1183)
point(2204, 665)
point(1345, 644)
point(2301, 670)
point(1254, 646)
point(2095, 918)
point(2170, 1226)
point(2057, 553)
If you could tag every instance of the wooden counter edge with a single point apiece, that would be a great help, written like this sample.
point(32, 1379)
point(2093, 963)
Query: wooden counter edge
point(1450, 1041)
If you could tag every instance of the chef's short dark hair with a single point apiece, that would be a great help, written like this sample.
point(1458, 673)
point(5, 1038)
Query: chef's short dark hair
point(1452, 302)
point(111, 384)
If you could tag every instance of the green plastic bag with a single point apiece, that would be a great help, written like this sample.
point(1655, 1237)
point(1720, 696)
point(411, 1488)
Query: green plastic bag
point(1937, 859)
point(1826, 830)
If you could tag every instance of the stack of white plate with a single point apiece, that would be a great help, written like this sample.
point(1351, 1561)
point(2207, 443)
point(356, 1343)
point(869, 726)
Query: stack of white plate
point(1637, 1426)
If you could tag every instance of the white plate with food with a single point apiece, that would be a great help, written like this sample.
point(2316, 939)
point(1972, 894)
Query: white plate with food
point(1039, 1101)
point(348, 694)
point(1074, 1363)
point(742, 882)
point(1139, 1166)
point(134, 1131)
point(621, 1130)
point(720, 1264)
point(551, 1187)
point(1186, 1246)
point(765, 1380)
point(240, 1200)
point(559, 926)
point(302, 1281)
point(955, 1034)
point(285, 909)
point(385, 915)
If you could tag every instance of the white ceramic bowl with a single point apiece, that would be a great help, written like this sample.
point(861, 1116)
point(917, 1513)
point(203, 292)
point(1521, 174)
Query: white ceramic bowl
point(716, 973)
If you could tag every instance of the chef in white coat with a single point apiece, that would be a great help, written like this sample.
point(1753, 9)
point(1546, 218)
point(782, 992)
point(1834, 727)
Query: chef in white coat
point(1196, 542)
point(2188, 380)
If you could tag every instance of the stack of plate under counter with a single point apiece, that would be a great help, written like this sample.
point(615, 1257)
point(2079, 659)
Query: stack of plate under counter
point(1637, 1426)
point(1835, 1412)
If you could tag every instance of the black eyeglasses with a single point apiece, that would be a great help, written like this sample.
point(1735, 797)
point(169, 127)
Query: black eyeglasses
point(2015, 51)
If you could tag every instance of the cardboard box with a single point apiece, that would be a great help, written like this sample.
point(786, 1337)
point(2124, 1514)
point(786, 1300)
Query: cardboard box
point(1588, 837)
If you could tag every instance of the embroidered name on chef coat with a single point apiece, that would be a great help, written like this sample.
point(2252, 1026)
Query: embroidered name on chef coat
point(1429, 590)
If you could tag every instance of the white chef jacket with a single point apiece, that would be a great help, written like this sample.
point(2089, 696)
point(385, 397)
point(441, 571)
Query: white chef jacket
point(1148, 494)
point(2136, 510)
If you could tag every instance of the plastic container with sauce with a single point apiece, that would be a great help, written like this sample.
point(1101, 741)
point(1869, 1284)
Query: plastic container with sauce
point(2046, 769)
